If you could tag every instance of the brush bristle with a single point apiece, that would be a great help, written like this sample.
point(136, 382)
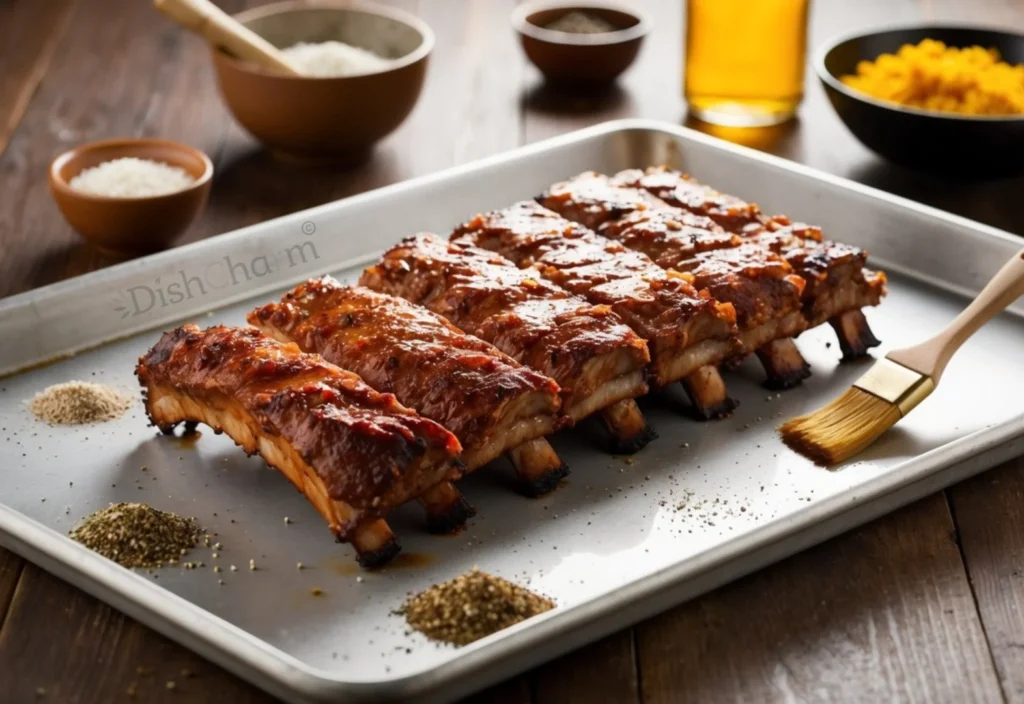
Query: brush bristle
point(841, 429)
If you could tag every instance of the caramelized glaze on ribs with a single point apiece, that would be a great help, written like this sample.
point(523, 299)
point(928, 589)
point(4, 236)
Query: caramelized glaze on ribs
point(760, 284)
point(588, 200)
point(354, 452)
point(594, 358)
point(837, 280)
point(685, 329)
point(675, 188)
point(487, 399)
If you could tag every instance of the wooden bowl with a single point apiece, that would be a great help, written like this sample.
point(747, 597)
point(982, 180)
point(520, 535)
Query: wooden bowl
point(327, 119)
point(580, 59)
point(131, 225)
point(964, 146)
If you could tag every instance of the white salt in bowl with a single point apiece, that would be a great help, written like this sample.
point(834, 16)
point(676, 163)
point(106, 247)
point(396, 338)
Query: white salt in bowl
point(131, 224)
point(336, 119)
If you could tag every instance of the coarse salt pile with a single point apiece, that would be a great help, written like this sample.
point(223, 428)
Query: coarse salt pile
point(78, 402)
point(130, 177)
point(333, 59)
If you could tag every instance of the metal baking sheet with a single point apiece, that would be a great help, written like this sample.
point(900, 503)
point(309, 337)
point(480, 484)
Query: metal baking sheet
point(620, 541)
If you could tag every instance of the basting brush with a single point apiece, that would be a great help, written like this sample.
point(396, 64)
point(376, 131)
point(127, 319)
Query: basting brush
point(897, 383)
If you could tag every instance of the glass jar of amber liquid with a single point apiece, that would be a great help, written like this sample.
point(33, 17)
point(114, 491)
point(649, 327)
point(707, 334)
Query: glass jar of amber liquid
point(745, 60)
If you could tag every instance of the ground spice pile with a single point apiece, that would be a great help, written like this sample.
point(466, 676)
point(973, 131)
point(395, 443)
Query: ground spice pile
point(581, 23)
point(471, 606)
point(77, 402)
point(137, 535)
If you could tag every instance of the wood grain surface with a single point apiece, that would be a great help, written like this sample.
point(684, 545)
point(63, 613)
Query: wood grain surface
point(989, 513)
point(29, 34)
point(11, 567)
point(925, 605)
point(856, 608)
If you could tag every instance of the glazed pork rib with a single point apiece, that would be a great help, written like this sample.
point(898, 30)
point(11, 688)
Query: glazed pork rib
point(353, 452)
point(489, 401)
point(685, 330)
point(838, 283)
point(760, 284)
point(598, 362)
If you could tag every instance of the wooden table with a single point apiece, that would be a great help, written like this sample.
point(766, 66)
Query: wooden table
point(924, 605)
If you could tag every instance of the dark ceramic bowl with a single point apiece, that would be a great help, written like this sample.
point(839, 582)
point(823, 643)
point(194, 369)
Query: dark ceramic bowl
point(132, 225)
point(580, 59)
point(957, 145)
point(336, 119)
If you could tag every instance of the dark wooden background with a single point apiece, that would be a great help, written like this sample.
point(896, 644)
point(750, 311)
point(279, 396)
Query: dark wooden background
point(924, 605)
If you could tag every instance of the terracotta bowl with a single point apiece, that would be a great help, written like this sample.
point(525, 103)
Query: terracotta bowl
point(327, 119)
point(131, 225)
point(581, 59)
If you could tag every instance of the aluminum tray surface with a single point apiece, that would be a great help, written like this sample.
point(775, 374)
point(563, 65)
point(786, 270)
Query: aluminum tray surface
point(620, 540)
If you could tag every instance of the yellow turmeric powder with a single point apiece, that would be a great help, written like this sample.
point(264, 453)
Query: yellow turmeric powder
point(931, 76)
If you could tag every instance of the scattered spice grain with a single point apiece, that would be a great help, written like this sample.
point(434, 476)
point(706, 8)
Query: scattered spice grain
point(470, 607)
point(78, 402)
point(138, 535)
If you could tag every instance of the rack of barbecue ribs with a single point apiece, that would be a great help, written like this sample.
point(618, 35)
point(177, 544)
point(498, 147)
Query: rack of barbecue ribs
point(760, 284)
point(688, 332)
point(838, 283)
point(598, 362)
point(489, 401)
point(355, 453)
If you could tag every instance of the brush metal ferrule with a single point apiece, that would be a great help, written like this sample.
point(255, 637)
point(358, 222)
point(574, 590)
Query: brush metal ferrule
point(901, 386)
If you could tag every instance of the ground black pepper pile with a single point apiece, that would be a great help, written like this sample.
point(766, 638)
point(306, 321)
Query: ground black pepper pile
point(137, 535)
point(471, 606)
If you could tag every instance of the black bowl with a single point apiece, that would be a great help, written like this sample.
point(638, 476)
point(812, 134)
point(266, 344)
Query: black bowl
point(964, 146)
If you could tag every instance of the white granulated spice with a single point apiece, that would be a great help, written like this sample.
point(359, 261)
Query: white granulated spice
point(333, 59)
point(78, 402)
point(132, 178)
point(581, 23)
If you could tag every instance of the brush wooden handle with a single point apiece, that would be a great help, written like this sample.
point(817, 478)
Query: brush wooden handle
point(930, 358)
point(220, 29)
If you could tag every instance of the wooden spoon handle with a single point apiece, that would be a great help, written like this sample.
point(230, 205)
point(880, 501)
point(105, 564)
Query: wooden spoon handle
point(931, 357)
point(220, 29)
